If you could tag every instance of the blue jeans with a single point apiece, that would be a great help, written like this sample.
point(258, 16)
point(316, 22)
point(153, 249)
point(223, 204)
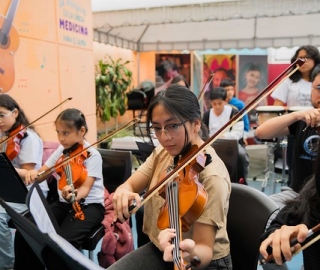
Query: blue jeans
point(6, 243)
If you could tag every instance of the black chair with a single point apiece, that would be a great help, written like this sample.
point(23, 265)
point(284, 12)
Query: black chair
point(249, 211)
point(117, 166)
point(228, 151)
point(52, 250)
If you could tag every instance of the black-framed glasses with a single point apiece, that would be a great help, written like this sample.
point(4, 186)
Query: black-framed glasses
point(170, 130)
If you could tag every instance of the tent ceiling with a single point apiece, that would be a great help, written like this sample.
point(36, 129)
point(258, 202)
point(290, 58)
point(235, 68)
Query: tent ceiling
point(227, 25)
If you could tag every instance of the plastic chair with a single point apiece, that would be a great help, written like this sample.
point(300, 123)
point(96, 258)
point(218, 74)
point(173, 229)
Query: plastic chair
point(249, 211)
point(228, 151)
point(117, 167)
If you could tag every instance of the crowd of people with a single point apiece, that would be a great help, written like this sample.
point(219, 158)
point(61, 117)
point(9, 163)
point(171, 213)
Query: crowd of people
point(196, 237)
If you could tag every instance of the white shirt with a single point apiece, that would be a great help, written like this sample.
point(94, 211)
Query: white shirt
point(31, 150)
point(294, 94)
point(216, 122)
point(94, 168)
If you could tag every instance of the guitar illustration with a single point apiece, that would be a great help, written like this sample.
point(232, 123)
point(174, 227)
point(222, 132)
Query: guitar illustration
point(9, 42)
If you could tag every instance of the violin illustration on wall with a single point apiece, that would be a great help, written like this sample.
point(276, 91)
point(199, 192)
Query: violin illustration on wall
point(9, 42)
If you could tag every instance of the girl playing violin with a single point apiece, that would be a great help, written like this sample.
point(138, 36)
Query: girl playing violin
point(25, 152)
point(175, 119)
point(71, 128)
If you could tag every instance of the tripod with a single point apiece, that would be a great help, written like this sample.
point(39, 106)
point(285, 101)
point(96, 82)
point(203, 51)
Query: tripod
point(270, 170)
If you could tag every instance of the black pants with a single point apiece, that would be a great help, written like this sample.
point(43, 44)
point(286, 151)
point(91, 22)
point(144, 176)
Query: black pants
point(150, 257)
point(73, 230)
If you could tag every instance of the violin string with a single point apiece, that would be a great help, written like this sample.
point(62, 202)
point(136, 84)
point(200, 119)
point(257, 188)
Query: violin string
point(172, 193)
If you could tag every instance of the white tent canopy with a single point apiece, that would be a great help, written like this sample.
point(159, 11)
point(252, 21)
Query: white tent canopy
point(227, 24)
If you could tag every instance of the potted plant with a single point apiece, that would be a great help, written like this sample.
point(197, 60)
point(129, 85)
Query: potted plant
point(113, 79)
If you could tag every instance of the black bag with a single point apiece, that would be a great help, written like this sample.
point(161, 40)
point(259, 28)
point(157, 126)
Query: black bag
point(137, 99)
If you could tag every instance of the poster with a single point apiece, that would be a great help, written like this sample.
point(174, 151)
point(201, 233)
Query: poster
point(252, 79)
point(222, 66)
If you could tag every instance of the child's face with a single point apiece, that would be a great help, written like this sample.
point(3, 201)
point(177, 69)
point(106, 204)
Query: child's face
point(218, 77)
point(69, 136)
point(230, 91)
point(7, 118)
point(253, 78)
point(217, 106)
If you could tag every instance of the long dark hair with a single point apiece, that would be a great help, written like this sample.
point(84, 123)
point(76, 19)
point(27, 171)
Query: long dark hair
point(306, 207)
point(10, 104)
point(179, 101)
point(313, 53)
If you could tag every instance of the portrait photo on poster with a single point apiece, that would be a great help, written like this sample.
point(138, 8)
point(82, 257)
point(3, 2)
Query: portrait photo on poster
point(252, 79)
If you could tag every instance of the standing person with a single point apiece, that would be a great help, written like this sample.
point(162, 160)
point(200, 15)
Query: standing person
point(167, 70)
point(71, 128)
point(180, 80)
point(293, 222)
point(29, 156)
point(175, 118)
point(302, 125)
point(296, 90)
point(228, 85)
point(219, 115)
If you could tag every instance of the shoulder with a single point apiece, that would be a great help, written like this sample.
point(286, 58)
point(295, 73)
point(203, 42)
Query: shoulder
point(237, 102)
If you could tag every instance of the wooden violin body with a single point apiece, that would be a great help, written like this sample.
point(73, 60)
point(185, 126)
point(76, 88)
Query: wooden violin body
point(11, 146)
point(76, 167)
point(74, 174)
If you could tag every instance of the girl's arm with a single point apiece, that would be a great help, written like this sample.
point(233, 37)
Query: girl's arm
point(31, 175)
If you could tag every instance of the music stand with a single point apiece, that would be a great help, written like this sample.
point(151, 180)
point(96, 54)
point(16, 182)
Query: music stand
point(53, 251)
point(12, 188)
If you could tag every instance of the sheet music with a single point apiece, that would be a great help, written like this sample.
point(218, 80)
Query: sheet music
point(73, 252)
point(40, 214)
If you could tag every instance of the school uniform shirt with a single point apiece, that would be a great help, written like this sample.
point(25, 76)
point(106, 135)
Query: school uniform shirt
point(93, 165)
point(31, 151)
point(215, 123)
point(216, 181)
point(294, 94)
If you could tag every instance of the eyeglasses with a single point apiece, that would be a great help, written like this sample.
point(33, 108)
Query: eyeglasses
point(2, 115)
point(317, 87)
point(170, 130)
point(305, 58)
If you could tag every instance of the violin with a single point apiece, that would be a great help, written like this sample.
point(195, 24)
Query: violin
point(74, 174)
point(74, 168)
point(192, 197)
point(11, 143)
point(185, 201)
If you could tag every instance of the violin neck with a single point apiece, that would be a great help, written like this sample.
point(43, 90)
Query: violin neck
point(175, 222)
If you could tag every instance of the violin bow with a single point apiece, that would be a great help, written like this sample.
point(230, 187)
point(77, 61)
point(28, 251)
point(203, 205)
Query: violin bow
point(253, 103)
point(14, 134)
point(305, 244)
point(205, 86)
point(47, 172)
